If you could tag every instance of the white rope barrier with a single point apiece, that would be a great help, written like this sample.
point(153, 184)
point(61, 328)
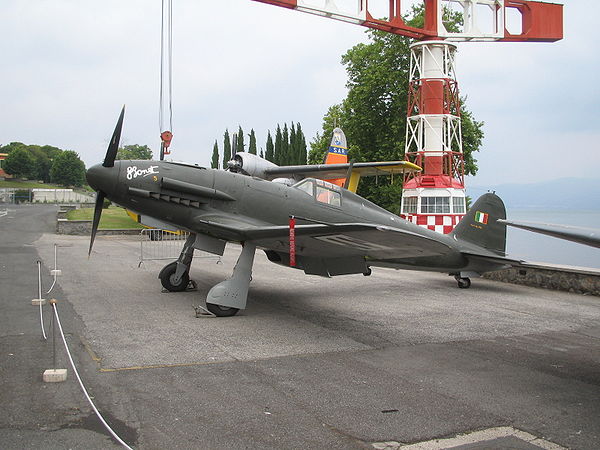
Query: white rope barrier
point(85, 392)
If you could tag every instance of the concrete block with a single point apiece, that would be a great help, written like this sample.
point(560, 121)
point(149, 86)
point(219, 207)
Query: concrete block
point(38, 301)
point(55, 375)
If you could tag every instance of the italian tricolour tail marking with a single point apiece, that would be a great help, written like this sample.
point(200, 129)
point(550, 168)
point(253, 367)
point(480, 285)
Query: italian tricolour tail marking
point(481, 217)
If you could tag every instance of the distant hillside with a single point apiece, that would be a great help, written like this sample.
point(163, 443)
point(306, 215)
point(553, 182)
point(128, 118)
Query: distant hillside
point(563, 193)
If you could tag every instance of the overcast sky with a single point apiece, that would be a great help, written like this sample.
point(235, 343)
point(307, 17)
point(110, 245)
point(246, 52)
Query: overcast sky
point(69, 66)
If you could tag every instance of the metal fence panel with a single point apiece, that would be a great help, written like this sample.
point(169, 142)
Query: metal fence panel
point(164, 245)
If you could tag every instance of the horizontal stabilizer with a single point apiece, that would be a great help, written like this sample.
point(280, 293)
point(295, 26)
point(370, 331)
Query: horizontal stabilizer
point(585, 236)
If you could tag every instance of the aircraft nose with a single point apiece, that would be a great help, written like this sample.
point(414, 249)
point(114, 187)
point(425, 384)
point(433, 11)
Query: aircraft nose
point(102, 178)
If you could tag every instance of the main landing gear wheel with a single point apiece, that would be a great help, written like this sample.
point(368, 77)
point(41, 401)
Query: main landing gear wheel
point(463, 283)
point(221, 311)
point(167, 278)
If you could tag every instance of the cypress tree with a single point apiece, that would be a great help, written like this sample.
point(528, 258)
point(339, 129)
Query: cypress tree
point(226, 148)
point(252, 144)
point(214, 164)
point(278, 147)
point(240, 141)
point(270, 153)
point(302, 151)
point(285, 146)
point(293, 145)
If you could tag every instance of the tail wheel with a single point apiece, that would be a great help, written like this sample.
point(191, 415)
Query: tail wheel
point(221, 311)
point(167, 278)
point(464, 283)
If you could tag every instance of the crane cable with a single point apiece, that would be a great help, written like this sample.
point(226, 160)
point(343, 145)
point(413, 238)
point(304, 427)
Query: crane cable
point(166, 59)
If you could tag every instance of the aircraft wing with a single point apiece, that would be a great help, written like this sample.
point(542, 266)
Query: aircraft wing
point(333, 240)
point(329, 171)
point(585, 236)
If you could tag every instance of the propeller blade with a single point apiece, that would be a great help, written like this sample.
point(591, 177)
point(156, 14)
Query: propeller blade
point(97, 213)
point(113, 147)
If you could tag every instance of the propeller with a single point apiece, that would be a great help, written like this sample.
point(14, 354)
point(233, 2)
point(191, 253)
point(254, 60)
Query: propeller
point(109, 161)
point(113, 147)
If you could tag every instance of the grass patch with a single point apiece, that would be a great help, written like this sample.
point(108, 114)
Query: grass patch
point(112, 218)
point(19, 184)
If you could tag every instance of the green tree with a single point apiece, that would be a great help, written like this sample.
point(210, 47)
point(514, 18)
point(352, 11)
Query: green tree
point(252, 144)
point(278, 144)
point(42, 158)
point(472, 137)
point(12, 146)
point(293, 145)
point(270, 148)
point(215, 157)
point(46, 155)
point(285, 146)
point(226, 148)
point(19, 163)
point(301, 143)
point(42, 163)
point(373, 114)
point(134, 151)
point(50, 151)
point(240, 140)
point(67, 169)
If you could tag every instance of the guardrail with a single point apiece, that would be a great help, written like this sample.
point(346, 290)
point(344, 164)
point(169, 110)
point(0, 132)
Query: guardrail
point(158, 245)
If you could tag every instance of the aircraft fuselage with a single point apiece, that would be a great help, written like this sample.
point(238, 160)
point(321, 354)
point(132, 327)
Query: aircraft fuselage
point(190, 197)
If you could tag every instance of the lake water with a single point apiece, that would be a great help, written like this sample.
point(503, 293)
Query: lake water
point(530, 246)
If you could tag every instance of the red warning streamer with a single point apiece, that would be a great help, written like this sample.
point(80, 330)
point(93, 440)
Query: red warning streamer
point(292, 241)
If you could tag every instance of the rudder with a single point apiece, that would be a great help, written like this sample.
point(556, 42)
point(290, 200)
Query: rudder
point(480, 225)
point(337, 153)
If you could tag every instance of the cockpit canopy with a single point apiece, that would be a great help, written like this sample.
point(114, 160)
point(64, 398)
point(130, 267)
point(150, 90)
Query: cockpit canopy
point(321, 190)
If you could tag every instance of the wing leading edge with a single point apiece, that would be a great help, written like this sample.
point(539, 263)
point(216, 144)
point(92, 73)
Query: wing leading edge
point(325, 171)
point(334, 240)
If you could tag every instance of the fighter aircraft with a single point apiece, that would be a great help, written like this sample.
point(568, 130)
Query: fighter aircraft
point(313, 225)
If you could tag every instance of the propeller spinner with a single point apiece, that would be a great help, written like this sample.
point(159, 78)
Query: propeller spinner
point(92, 174)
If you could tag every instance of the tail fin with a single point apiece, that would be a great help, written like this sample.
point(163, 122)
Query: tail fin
point(480, 225)
point(337, 153)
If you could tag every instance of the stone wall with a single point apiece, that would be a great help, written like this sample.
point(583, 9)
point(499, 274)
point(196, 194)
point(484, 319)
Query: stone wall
point(76, 227)
point(570, 279)
point(84, 228)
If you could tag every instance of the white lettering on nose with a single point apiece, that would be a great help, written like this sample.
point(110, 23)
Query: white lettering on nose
point(134, 172)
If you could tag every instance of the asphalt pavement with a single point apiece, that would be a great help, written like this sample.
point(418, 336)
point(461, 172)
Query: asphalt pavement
point(393, 359)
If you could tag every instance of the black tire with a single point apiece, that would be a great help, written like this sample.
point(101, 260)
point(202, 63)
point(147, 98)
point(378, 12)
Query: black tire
point(166, 278)
point(368, 272)
point(464, 283)
point(221, 311)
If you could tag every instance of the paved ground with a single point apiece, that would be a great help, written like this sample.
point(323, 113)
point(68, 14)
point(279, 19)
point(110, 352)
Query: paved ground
point(398, 357)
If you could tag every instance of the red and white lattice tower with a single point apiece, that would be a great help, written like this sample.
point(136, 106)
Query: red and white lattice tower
point(435, 198)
